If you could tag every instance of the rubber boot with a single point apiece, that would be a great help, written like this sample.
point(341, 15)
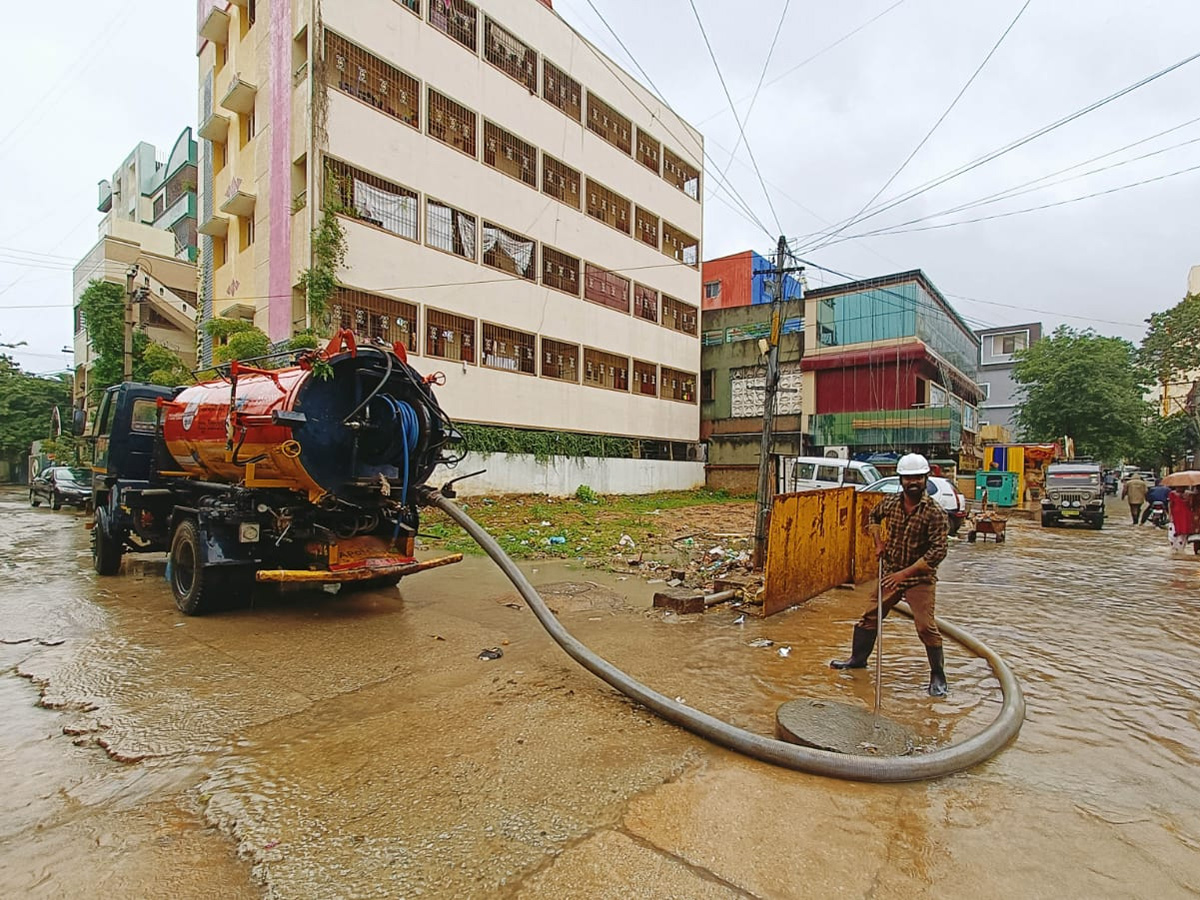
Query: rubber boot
point(937, 675)
point(861, 647)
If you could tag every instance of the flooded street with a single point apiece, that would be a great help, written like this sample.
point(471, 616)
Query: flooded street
point(317, 746)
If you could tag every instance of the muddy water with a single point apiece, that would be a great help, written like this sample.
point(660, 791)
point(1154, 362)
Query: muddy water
point(323, 746)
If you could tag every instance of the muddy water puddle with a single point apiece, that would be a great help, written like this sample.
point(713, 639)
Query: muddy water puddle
point(357, 746)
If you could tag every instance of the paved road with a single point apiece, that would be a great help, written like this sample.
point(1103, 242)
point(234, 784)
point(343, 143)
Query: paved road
point(322, 746)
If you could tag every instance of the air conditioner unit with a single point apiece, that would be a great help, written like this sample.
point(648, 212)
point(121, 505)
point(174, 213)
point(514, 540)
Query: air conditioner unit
point(837, 452)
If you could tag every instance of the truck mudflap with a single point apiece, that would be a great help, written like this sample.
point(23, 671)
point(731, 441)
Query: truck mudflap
point(363, 558)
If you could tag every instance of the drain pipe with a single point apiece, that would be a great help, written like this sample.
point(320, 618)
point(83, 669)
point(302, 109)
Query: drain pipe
point(943, 761)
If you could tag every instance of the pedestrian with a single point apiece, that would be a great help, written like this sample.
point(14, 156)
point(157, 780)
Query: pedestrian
point(1156, 494)
point(1134, 491)
point(915, 545)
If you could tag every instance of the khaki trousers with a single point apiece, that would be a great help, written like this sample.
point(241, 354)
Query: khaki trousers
point(922, 598)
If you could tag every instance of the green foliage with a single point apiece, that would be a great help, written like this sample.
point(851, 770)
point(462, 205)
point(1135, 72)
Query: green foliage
point(26, 406)
point(242, 340)
point(304, 340)
point(329, 254)
point(1165, 441)
point(585, 494)
point(161, 365)
point(1084, 385)
point(489, 439)
point(103, 306)
point(1171, 347)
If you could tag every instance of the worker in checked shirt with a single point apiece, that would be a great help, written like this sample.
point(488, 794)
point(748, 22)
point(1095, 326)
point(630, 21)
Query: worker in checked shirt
point(916, 543)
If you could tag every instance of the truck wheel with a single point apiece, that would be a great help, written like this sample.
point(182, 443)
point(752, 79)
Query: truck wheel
point(106, 550)
point(191, 582)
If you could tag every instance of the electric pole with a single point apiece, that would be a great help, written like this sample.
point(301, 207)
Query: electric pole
point(127, 367)
point(770, 400)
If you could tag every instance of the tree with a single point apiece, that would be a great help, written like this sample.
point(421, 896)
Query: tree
point(1165, 441)
point(1171, 347)
point(1084, 385)
point(242, 340)
point(161, 365)
point(26, 405)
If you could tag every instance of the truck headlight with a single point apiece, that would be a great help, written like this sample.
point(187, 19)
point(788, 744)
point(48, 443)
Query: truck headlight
point(249, 532)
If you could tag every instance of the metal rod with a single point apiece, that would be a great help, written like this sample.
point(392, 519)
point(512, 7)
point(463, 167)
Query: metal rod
point(879, 639)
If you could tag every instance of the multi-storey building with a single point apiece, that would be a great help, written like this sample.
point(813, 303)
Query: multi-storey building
point(744, 279)
point(517, 211)
point(997, 347)
point(889, 366)
point(157, 192)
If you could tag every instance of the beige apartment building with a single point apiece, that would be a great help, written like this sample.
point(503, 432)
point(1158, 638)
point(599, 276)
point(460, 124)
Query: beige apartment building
point(519, 213)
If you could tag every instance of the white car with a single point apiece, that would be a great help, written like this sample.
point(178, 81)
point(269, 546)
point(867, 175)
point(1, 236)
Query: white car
point(942, 490)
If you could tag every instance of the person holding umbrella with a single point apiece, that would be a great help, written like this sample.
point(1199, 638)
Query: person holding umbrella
point(1184, 527)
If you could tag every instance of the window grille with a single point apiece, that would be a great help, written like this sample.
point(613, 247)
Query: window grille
point(509, 54)
point(449, 229)
point(649, 152)
point(712, 290)
point(708, 387)
point(679, 245)
point(507, 153)
point(413, 5)
point(448, 336)
point(683, 175)
point(457, 19)
point(679, 316)
point(560, 360)
point(561, 182)
point(647, 227)
point(510, 252)
point(606, 370)
point(508, 349)
point(357, 73)
point(606, 288)
point(645, 378)
point(375, 317)
point(608, 206)
point(560, 271)
point(676, 385)
point(160, 205)
point(561, 90)
point(371, 199)
point(645, 303)
point(451, 123)
point(609, 124)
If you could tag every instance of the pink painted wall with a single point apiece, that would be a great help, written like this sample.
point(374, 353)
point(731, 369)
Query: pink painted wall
point(279, 309)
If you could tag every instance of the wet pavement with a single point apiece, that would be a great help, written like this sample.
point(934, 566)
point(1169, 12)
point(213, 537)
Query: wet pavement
point(317, 746)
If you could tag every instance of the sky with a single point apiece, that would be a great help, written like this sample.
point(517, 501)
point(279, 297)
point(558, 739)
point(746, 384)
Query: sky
point(848, 92)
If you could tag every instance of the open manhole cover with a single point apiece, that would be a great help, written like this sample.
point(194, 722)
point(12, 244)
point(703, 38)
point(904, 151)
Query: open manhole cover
point(841, 728)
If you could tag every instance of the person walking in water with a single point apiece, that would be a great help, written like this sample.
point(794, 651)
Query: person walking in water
point(915, 545)
point(1134, 491)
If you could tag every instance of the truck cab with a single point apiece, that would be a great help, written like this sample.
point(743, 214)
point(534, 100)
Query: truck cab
point(1074, 493)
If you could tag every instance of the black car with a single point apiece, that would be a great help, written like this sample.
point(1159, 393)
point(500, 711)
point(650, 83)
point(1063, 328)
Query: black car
point(61, 484)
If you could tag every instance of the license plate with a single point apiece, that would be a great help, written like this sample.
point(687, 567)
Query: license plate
point(1070, 512)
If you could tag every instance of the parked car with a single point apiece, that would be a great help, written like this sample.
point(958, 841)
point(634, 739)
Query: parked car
point(61, 484)
point(810, 473)
point(942, 490)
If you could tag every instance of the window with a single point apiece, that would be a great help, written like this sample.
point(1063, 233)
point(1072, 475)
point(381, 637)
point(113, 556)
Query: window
point(606, 288)
point(561, 182)
point(509, 154)
point(938, 396)
point(371, 199)
point(218, 252)
point(645, 303)
point(245, 232)
point(987, 390)
point(605, 121)
point(144, 416)
point(510, 252)
point(218, 156)
point(712, 290)
point(829, 474)
point(678, 385)
point(560, 360)
point(683, 175)
point(649, 151)
point(375, 317)
point(645, 378)
point(708, 385)
point(246, 128)
point(160, 205)
point(413, 5)
point(1008, 344)
point(853, 476)
point(457, 19)
point(247, 17)
point(560, 271)
point(506, 348)
point(647, 227)
point(608, 206)
point(448, 336)
point(451, 123)
point(561, 90)
point(80, 325)
point(366, 77)
point(510, 55)
point(449, 229)
point(679, 245)
point(605, 370)
point(679, 316)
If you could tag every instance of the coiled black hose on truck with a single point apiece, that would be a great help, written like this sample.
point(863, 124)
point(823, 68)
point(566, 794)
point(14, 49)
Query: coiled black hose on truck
point(940, 762)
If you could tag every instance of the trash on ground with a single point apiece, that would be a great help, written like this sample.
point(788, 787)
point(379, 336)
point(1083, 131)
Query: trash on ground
point(740, 620)
point(491, 653)
point(626, 541)
point(557, 539)
point(785, 651)
point(762, 642)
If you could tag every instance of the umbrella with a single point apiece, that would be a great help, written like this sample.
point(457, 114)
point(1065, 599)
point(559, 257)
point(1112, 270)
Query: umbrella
point(1190, 478)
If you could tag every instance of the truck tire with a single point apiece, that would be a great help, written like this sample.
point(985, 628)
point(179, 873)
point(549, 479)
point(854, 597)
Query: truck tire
point(192, 583)
point(106, 550)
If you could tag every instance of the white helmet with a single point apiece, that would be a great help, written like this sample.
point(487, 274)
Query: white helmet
point(912, 464)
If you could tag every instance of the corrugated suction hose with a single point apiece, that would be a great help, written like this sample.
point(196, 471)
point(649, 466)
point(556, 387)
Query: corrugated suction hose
point(943, 761)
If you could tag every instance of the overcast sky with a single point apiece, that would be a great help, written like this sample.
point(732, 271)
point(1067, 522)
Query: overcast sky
point(827, 133)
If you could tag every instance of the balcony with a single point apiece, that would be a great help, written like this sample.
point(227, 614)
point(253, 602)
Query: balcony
point(184, 206)
point(214, 226)
point(215, 26)
point(240, 96)
point(238, 202)
point(888, 427)
point(215, 128)
point(106, 196)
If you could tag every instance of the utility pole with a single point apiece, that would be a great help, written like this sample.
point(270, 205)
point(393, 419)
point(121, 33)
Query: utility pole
point(127, 367)
point(770, 399)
